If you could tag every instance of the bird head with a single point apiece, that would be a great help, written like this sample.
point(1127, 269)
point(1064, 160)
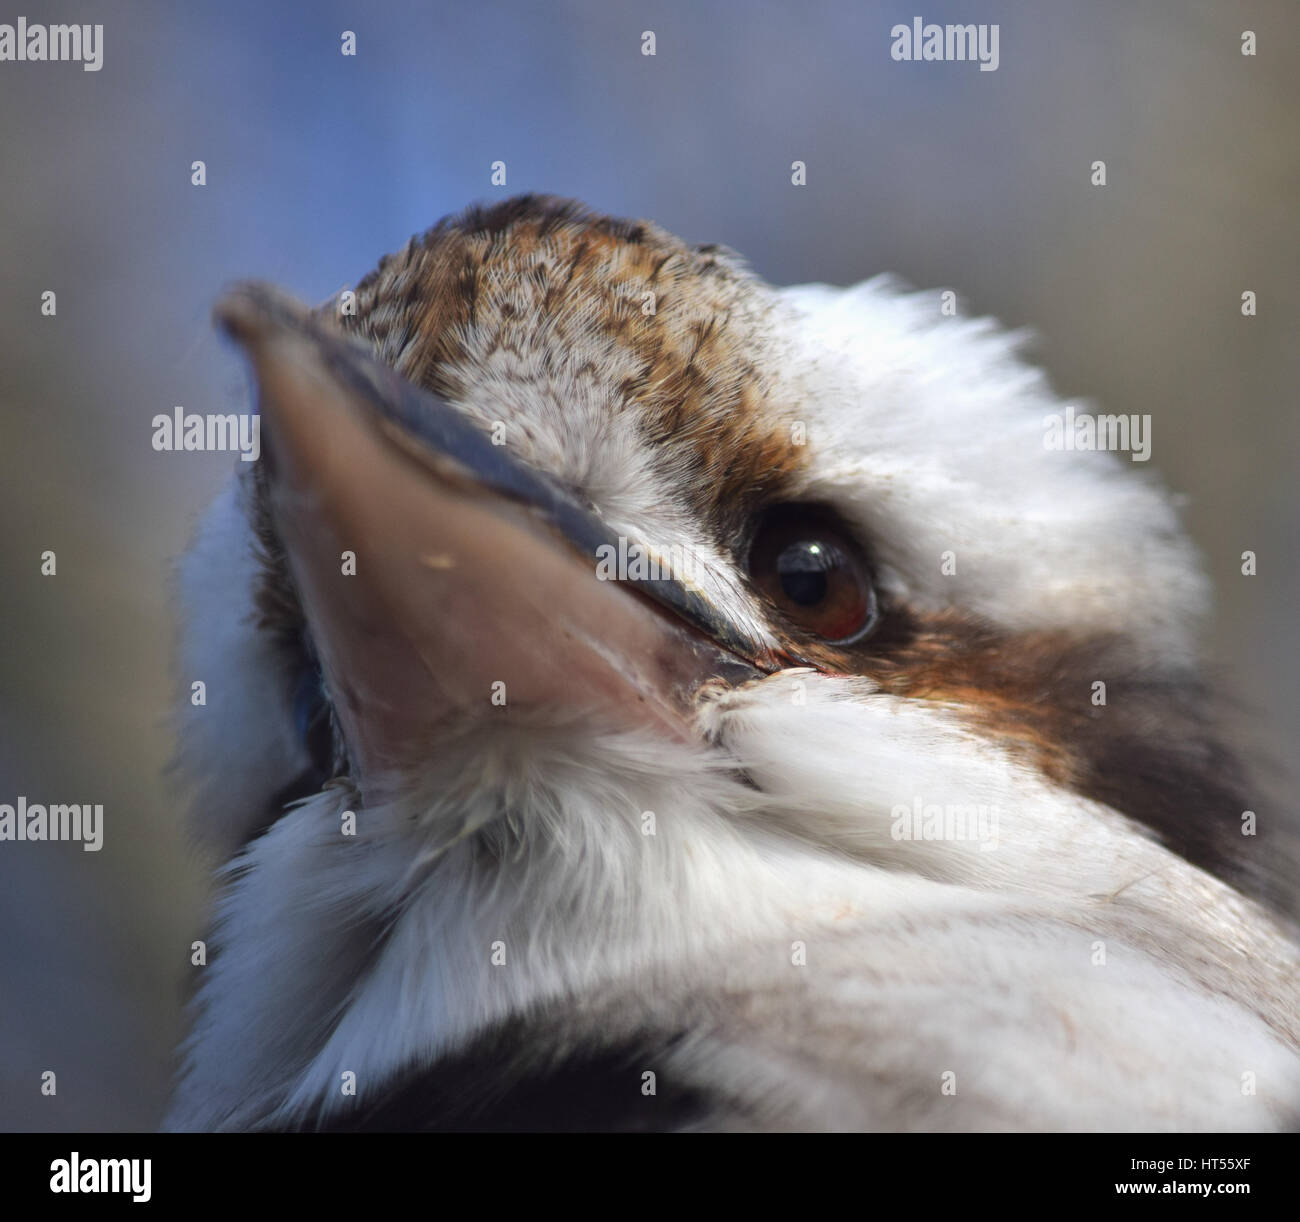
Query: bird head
point(630, 606)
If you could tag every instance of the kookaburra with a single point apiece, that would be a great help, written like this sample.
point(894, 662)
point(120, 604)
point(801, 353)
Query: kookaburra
point(643, 698)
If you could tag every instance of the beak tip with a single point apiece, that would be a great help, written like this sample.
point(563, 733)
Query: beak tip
point(250, 311)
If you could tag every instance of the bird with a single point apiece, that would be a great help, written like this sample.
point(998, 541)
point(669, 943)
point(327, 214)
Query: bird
point(643, 698)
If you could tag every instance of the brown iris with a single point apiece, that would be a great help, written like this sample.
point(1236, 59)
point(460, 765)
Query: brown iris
point(810, 566)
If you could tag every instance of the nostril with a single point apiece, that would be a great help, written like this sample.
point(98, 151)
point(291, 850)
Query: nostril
point(312, 720)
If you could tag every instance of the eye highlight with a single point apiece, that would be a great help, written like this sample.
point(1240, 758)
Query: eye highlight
point(807, 562)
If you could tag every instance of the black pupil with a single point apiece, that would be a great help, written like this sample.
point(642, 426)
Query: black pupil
point(803, 569)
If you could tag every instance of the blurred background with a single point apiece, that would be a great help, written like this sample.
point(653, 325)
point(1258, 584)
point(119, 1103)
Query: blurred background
point(317, 164)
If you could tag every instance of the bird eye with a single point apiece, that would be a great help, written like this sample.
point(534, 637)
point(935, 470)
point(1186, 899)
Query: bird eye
point(809, 565)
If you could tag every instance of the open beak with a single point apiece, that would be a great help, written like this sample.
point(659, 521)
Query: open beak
point(444, 581)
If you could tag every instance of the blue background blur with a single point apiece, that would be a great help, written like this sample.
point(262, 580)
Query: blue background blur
point(318, 164)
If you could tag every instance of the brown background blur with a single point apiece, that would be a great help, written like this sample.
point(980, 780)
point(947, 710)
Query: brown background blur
point(318, 164)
